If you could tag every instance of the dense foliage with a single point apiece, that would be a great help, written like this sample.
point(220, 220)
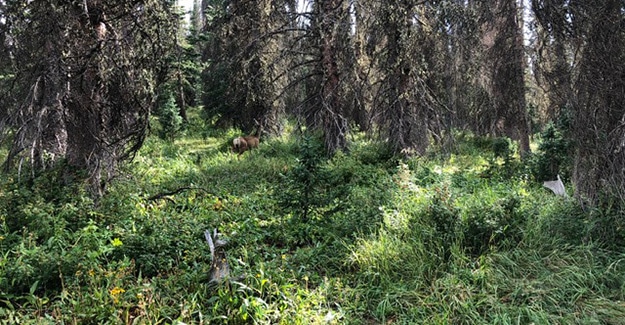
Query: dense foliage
point(395, 180)
point(359, 238)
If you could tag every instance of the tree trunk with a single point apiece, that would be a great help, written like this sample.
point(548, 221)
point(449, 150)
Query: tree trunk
point(598, 129)
point(504, 42)
point(404, 109)
point(334, 122)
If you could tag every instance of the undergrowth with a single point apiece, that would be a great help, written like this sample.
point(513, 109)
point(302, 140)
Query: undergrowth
point(360, 238)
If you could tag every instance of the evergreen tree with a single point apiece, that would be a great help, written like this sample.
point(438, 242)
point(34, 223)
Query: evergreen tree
point(504, 70)
point(245, 64)
point(582, 67)
point(84, 75)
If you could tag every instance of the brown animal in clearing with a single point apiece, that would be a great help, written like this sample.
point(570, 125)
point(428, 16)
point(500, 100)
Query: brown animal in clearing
point(242, 144)
point(252, 141)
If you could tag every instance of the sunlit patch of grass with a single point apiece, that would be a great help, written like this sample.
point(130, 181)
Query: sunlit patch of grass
point(566, 284)
point(467, 163)
point(198, 145)
point(522, 286)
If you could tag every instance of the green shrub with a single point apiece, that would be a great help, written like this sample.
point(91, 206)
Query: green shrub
point(488, 223)
point(162, 241)
point(445, 218)
point(420, 242)
point(423, 174)
point(501, 163)
point(606, 223)
point(305, 186)
point(372, 153)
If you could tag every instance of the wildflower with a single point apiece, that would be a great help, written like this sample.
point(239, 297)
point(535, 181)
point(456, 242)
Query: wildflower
point(116, 291)
point(116, 242)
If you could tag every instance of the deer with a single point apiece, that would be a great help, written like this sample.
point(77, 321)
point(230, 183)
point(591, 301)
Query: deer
point(243, 144)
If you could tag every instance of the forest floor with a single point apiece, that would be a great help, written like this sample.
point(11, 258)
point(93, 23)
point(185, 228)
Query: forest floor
point(361, 238)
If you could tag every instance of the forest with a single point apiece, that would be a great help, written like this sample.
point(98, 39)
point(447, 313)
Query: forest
point(312, 162)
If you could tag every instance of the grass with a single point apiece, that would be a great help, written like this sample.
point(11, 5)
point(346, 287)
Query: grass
point(452, 239)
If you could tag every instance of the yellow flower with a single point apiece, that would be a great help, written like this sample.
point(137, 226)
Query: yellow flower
point(116, 242)
point(218, 205)
point(116, 291)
